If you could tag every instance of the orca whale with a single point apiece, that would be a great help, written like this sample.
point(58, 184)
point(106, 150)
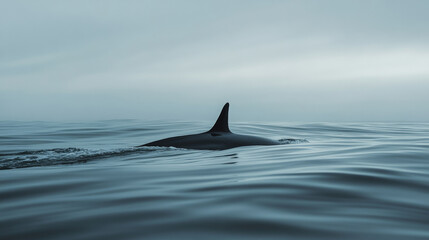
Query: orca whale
point(219, 137)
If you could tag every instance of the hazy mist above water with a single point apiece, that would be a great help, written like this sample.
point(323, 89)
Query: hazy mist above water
point(273, 60)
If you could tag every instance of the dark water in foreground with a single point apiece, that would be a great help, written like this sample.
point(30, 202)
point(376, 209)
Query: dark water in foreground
point(86, 181)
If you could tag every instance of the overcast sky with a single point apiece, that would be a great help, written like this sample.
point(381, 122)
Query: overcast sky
point(272, 60)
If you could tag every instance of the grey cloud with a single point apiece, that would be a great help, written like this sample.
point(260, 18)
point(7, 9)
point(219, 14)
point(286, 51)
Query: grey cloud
point(306, 58)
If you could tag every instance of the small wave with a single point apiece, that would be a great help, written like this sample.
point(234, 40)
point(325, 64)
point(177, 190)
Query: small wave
point(58, 156)
point(159, 148)
point(292, 141)
point(44, 151)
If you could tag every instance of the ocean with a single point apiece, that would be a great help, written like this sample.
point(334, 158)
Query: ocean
point(87, 180)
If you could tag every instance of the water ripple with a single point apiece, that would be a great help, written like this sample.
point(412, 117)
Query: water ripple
point(327, 181)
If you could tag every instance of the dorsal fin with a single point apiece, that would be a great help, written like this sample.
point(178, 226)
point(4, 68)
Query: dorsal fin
point(221, 124)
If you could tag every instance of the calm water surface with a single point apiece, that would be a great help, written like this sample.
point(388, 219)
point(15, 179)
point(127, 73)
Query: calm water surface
point(328, 181)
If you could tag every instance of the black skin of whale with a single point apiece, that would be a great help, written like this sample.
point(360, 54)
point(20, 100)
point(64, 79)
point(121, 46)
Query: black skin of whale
point(219, 137)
